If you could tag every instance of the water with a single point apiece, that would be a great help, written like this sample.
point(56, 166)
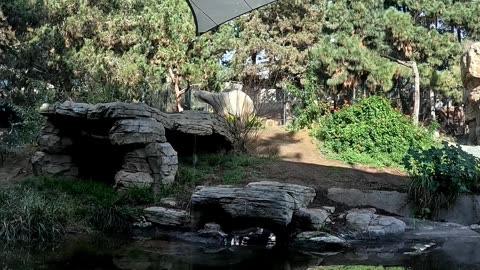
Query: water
point(113, 254)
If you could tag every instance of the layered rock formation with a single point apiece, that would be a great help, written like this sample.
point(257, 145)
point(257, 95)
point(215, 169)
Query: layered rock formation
point(267, 203)
point(133, 144)
point(470, 66)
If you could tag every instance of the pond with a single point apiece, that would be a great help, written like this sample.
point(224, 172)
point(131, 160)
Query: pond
point(113, 254)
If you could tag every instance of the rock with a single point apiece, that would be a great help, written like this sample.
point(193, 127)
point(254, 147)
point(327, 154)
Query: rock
point(389, 201)
point(329, 209)
point(205, 131)
point(125, 180)
point(54, 144)
point(119, 110)
point(475, 227)
point(213, 227)
point(302, 195)
point(162, 216)
point(368, 225)
point(257, 204)
point(465, 210)
point(204, 237)
point(142, 223)
point(68, 109)
point(202, 124)
point(136, 161)
point(130, 138)
point(470, 72)
point(420, 230)
point(163, 162)
point(235, 102)
point(310, 219)
point(319, 241)
point(137, 131)
point(50, 140)
point(53, 165)
point(171, 202)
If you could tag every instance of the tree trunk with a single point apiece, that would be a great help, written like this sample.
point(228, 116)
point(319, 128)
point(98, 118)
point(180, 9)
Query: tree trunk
point(178, 93)
point(432, 105)
point(416, 95)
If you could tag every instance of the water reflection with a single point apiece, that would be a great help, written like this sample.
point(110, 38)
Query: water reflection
point(114, 254)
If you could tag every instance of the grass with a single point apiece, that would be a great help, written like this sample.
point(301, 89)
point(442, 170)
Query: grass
point(355, 158)
point(227, 169)
point(44, 209)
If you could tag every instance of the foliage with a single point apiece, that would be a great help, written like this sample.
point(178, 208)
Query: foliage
point(102, 51)
point(310, 105)
point(27, 215)
point(439, 175)
point(230, 168)
point(42, 209)
point(25, 124)
point(371, 130)
point(243, 129)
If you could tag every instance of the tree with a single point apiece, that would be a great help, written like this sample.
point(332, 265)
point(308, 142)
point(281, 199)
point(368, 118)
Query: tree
point(99, 51)
point(282, 33)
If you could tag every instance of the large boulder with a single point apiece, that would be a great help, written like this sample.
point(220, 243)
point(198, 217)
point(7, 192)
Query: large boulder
point(365, 224)
point(53, 165)
point(137, 131)
point(311, 219)
point(470, 71)
point(166, 217)
point(302, 195)
point(163, 162)
point(51, 141)
point(125, 180)
point(319, 241)
point(390, 201)
point(258, 204)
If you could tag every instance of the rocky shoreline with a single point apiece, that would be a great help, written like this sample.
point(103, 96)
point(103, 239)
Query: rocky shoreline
point(270, 213)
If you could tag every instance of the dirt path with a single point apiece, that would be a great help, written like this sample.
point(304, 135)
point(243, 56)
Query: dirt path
point(16, 168)
point(301, 162)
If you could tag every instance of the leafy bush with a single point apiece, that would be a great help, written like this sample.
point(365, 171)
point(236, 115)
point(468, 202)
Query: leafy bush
point(309, 105)
point(26, 123)
point(439, 175)
point(371, 131)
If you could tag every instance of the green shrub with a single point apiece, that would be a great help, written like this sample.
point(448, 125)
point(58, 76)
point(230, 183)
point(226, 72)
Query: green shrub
point(309, 105)
point(439, 175)
point(371, 131)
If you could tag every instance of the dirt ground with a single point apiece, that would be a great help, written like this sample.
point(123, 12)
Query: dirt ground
point(17, 167)
point(301, 162)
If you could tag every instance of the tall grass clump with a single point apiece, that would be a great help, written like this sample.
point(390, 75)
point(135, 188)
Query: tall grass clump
point(27, 215)
point(371, 131)
point(439, 175)
point(43, 208)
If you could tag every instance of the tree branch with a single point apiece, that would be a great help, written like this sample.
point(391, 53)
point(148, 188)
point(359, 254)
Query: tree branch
point(401, 62)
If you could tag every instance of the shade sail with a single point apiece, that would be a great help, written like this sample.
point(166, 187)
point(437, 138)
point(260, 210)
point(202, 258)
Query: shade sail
point(212, 13)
